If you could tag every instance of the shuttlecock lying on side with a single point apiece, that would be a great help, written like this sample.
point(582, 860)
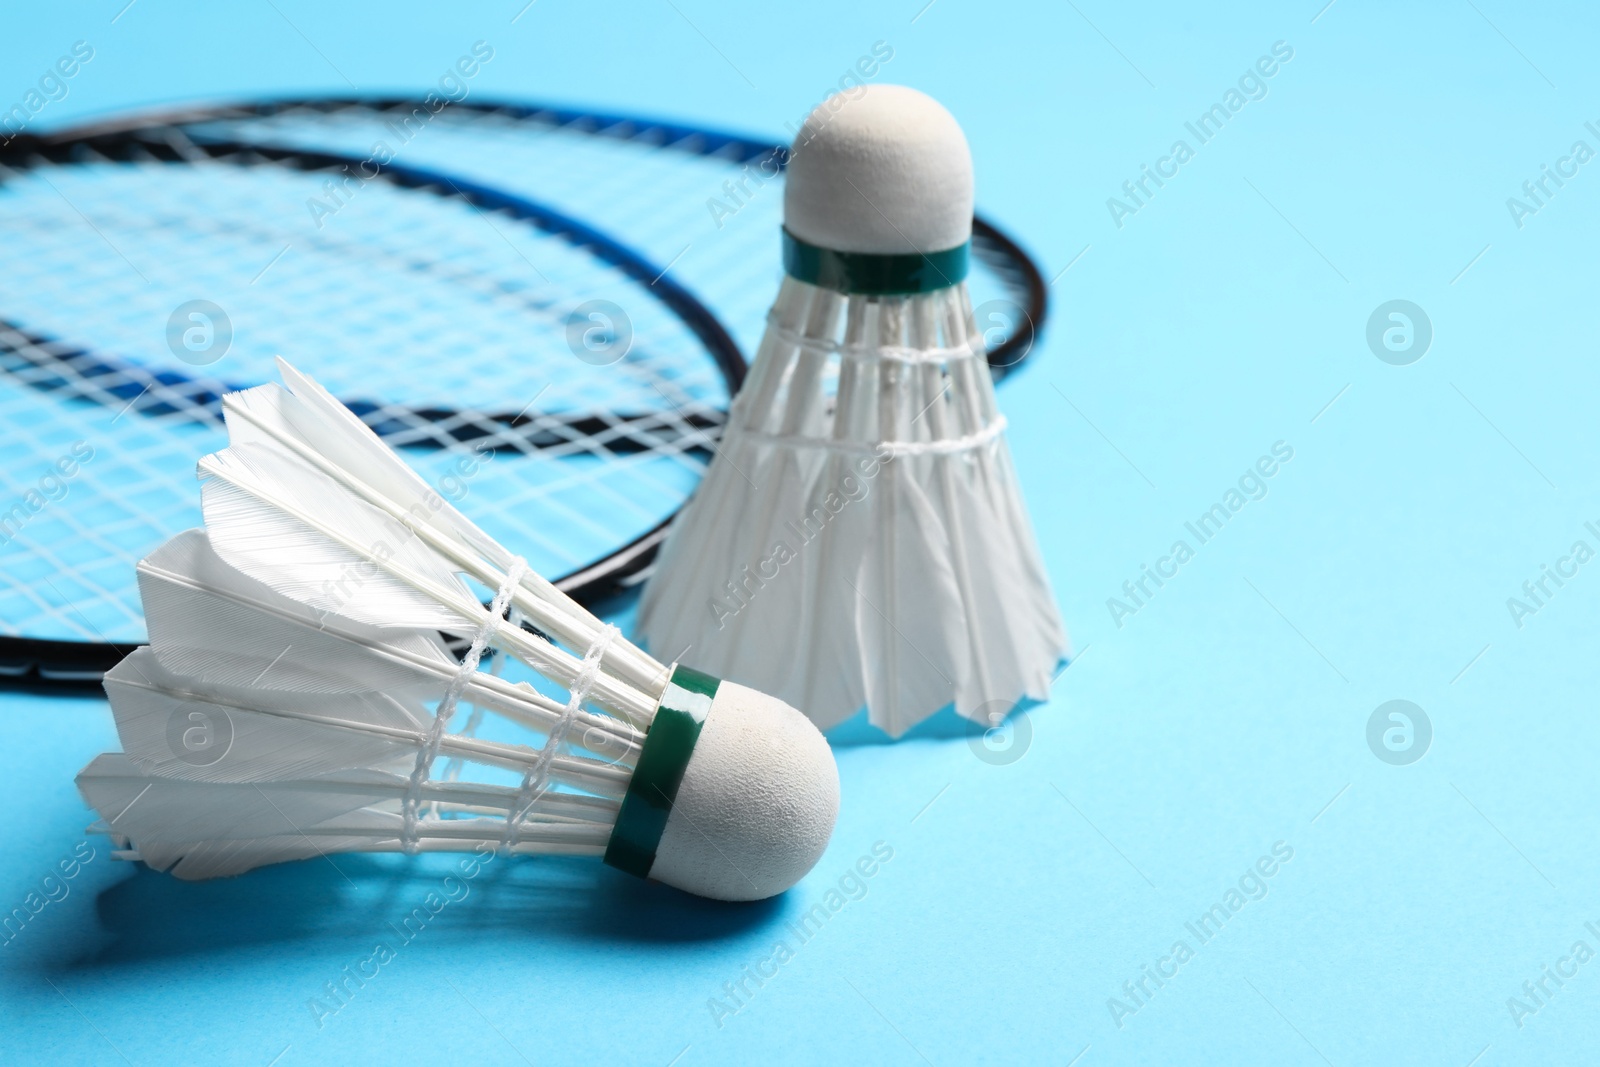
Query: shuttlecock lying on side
point(298, 691)
point(860, 538)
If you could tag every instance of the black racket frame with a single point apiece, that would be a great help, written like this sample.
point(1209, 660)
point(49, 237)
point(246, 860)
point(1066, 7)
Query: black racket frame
point(56, 666)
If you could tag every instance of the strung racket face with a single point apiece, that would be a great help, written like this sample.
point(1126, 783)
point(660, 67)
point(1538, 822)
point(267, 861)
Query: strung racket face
point(465, 299)
point(707, 202)
point(537, 373)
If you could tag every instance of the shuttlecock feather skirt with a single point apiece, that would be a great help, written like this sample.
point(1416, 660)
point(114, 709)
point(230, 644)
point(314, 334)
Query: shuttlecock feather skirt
point(860, 538)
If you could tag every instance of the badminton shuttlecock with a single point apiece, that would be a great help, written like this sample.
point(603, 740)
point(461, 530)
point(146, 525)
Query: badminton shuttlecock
point(298, 691)
point(860, 538)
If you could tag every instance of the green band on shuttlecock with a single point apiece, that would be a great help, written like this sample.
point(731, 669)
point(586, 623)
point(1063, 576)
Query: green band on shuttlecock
point(874, 275)
point(662, 761)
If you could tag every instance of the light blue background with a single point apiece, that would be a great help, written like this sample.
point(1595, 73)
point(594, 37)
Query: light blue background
point(1228, 714)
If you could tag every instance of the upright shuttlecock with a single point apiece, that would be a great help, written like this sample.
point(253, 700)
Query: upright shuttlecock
point(860, 538)
point(298, 693)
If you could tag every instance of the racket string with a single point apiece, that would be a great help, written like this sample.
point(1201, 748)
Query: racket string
point(443, 358)
point(609, 453)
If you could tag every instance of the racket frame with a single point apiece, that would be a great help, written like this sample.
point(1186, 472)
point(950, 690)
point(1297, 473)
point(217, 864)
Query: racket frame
point(63, 666)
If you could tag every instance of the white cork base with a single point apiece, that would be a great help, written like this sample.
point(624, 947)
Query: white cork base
point(757, 803)
point(884, 171)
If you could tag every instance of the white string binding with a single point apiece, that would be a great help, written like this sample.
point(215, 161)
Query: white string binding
point(951, 446)
point(453, 768)
point(537, 780)
point(447, 704)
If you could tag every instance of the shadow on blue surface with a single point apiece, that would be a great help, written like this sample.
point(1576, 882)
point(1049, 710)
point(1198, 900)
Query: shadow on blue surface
point(149, 915)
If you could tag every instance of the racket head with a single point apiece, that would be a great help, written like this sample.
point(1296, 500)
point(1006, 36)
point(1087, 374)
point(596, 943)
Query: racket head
point(704, 205)
point(518, 356)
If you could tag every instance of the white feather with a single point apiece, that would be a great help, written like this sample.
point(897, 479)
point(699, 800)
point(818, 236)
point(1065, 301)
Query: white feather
point(297, 530)
point(805, 569)
point(182, 727)
point(302, 533)
point(193, 599)
point(209, 830)
point(151, 811)
point(198, 608)
point(308, 421)
point(257, 733)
